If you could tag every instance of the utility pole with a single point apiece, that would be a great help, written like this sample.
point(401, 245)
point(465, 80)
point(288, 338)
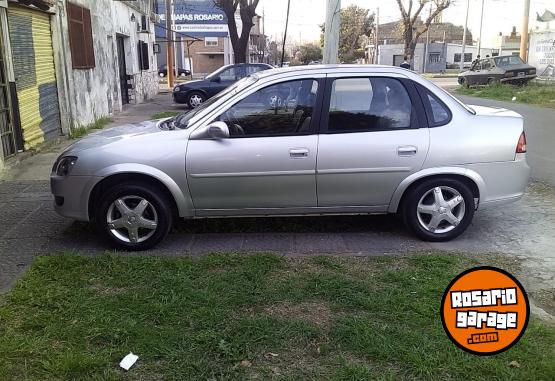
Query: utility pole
point(169, 38)
point(331, 33)
point(480, 37)
point(524, 32)
point(464, 34)
point(376, 44)
point(427, 42)
point(285, 33)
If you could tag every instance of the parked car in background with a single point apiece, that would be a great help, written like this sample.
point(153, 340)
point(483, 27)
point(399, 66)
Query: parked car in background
point(503, 69)
point(347, 139)
point(194, 93)
point(163, 71)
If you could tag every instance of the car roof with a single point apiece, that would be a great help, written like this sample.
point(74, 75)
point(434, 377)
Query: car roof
point(332, 68)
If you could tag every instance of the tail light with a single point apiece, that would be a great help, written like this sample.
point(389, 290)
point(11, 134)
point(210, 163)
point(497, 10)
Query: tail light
point(521, 146)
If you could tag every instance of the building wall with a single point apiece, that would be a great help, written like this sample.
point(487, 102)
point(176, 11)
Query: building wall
point(203, 62)
point(452, 49)
point(93, 93)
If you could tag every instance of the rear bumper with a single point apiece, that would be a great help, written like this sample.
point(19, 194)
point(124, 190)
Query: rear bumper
point(505, 182)
point(518, 79)
point(71, 195)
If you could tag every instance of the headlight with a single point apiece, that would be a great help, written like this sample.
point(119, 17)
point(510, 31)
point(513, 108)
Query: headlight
point(64, 165)
point(176, 89)
point(533, 71)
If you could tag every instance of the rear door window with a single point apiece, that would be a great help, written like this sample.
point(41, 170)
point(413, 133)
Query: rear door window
point(369, 104)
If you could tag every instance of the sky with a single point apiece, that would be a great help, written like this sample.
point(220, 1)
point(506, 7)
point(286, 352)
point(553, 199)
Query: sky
point(306, 15)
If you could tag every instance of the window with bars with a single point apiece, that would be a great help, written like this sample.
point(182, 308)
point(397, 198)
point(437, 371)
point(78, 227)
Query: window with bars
point(434, 58)
point(80, 37)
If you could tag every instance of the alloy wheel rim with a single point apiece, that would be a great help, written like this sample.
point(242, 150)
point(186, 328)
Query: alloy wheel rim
point(441, 209)
point(132, 219)
point(196, 100)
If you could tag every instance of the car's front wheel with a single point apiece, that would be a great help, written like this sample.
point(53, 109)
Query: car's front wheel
point(195, 99)
point(439, 209)
point(134, 216)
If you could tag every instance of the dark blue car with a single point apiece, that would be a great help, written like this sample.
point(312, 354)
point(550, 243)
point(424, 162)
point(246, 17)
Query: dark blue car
point(193, 93)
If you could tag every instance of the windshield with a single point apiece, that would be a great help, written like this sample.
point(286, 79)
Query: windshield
point(216, 72)
point(508, 61)
point(182, 121)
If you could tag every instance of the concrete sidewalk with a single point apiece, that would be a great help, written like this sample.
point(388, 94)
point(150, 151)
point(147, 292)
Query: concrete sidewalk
point(38, 166)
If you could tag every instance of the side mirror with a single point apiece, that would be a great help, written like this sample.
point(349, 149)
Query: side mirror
point(218, 130)
point(216, 79)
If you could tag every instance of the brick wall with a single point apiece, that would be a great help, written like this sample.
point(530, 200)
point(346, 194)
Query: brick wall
point(204, 62)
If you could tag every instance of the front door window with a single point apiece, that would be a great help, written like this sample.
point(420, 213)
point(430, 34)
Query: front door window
point(277, 110)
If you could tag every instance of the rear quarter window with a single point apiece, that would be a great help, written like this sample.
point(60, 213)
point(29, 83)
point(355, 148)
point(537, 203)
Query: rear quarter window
point(437, 112)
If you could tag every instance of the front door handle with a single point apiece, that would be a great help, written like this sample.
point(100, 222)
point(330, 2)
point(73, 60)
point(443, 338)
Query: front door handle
point(407, 151)
point(298, 153)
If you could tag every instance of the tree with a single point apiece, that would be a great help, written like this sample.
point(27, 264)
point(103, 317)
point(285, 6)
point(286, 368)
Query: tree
point(310, 52)
point(411, 33)
point(356, 22)
point(247, 11)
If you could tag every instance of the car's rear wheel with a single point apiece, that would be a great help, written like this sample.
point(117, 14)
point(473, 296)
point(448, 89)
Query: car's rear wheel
point(439, 209)
point(195, 99)
point(134, 216)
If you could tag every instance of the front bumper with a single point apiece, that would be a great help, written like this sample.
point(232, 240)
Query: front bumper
point(71, 195)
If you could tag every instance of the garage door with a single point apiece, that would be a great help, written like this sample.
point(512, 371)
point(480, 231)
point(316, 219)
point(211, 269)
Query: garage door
point(35, 78)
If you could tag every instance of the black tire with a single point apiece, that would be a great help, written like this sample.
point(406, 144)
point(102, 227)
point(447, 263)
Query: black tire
point(412, 199)
point(492, 81)
point(192, 96)
point(157, 200)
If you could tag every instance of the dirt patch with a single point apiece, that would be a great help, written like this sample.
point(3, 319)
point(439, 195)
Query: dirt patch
point(102, 289)
point(315, 311)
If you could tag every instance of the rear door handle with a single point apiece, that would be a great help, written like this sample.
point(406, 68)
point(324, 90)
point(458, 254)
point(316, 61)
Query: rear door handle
point(298, 153)
point(407, 151)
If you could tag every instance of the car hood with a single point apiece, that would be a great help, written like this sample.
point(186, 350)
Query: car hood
point(114, 134)
point(194, 83)
point(494, 111)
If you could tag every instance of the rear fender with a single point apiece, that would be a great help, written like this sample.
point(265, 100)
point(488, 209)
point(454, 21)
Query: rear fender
point(407, 182)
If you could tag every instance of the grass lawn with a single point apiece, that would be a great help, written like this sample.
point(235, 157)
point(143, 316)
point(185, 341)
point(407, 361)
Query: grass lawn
point(241, 317)
point(541, 95)
point(164, 114)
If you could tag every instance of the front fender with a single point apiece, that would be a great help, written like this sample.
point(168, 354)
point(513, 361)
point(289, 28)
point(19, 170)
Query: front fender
point(183, 201)
point(403, 186)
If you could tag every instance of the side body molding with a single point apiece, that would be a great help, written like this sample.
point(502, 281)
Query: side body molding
point(183, 201)
point(472, 175)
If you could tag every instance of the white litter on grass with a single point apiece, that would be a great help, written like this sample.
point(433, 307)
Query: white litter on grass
point(514, 99)
point(128, 361)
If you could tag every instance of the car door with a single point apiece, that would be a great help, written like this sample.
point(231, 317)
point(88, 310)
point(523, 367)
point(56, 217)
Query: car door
point(269, 159)
point(370, 140)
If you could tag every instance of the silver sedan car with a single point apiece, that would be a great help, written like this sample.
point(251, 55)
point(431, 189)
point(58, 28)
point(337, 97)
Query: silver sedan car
point(316, 140)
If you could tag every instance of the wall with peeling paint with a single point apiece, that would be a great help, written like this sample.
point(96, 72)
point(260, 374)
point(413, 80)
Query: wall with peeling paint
point(89, 94)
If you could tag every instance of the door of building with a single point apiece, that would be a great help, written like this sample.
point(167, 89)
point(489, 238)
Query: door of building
point(7, 136)
point(122, 70)
point(35, 75)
